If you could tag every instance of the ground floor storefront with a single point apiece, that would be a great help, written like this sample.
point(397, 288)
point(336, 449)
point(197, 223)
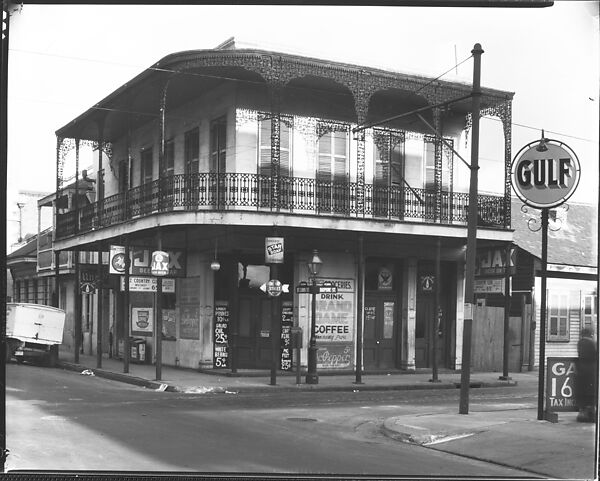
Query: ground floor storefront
point(398, 299)
point(224, 319)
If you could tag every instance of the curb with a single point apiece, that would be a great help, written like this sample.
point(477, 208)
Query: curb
point(124, 378)
point(160, 386)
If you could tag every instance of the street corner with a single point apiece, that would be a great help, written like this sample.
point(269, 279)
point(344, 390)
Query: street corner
point(431, 429)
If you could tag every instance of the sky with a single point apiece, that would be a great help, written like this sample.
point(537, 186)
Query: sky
point(65, 58)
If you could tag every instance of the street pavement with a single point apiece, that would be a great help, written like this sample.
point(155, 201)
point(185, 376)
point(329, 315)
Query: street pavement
point(504, 433)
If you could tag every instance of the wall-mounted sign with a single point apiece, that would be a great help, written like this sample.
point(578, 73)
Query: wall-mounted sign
point(160, 263)
point(274, 250)
point(427, 283)
point(489, 286)
point(141, 261)
point(221, 336)
point(116, 263)
point(545, 176)
point(384, 279)
point(88, 287)
point(491, 261)
point(148, 284)
point(142, 321)
point(287, 321)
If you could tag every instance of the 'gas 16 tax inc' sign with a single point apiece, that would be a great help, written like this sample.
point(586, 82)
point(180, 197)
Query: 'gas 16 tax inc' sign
point(545, 173)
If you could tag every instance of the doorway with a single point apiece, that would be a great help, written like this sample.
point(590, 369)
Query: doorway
point(380, 332)
point(254, 334)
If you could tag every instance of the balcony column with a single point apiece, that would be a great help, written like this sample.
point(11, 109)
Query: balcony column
point(506, 116)
point(76, 200)
point(161, 141)
point(361, 103)
point(438, 150)
point(275, 97)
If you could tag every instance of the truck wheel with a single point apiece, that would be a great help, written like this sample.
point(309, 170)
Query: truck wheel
point(52, 358)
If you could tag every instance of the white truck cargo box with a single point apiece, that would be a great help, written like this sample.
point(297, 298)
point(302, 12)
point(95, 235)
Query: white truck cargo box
point(34, 330)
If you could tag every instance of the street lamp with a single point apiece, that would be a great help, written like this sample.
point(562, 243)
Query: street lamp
point(314, 266)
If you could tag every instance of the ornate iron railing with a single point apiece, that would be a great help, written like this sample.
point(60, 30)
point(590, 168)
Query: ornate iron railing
point(291, 195)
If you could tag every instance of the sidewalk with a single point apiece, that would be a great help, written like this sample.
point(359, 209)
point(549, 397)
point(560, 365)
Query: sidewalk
point(507, 434)
point(175, 379)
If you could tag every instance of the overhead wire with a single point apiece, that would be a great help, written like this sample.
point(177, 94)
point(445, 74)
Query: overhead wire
point(247, 81)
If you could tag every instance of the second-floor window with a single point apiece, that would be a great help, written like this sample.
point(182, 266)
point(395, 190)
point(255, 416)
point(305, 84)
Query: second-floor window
point(146, 166)
point(264, 147)
point(332, 169)
point(558, 315)
point(218, 145)
point(191, 151)
point(169, 160)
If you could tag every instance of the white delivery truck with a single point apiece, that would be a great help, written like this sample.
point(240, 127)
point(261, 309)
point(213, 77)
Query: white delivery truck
point(34, 332)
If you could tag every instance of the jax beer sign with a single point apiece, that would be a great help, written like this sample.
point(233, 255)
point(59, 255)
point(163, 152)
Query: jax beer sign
point(545, 173)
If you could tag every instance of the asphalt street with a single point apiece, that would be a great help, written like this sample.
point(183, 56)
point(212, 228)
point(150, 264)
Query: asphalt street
point(62, 420)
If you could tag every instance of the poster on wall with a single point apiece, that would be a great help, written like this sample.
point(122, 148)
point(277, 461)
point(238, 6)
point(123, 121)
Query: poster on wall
point(221, 336)
point(335, 325)
point(287, 321)
point(189, 322)
point(142, 321)
point(188, 297)
point(168, 324)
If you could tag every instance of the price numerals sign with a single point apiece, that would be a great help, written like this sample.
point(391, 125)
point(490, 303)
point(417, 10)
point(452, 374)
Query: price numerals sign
point(221, 337)
point(560, 384)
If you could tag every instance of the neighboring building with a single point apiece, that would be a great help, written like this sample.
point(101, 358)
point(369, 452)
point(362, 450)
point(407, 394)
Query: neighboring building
point(23, 219)
point(572, 282)
point(209, 152)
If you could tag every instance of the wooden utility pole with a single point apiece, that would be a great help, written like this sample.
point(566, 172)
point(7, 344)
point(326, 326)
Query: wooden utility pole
point(471, 235)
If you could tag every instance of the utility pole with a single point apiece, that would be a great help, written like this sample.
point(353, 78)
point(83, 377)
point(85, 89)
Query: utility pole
point(471, 235)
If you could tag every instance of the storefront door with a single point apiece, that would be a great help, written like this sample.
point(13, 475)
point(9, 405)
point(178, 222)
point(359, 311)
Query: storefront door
point(254, 341)
point(380, 332)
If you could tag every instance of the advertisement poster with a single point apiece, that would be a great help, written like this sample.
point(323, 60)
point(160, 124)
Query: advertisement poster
point(335, 325)
point(168, 324)
point(189, 322)
point(141, 260)
point(287, 321)
point(221, 336)
point(188, 297)
point(142, 321)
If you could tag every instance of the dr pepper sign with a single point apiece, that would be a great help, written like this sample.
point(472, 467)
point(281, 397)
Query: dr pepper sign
point(545, 173)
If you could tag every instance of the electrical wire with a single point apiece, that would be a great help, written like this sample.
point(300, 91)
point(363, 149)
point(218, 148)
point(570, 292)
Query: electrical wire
point(247, 81)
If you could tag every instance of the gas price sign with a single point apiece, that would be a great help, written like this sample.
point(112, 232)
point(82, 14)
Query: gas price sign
point(560, 387)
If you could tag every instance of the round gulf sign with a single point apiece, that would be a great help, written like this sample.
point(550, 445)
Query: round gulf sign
point(160, 263)
point(545, 174)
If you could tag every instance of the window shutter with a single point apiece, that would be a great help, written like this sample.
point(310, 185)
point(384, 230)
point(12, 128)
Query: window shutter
point(264, 148)
point(285, 148)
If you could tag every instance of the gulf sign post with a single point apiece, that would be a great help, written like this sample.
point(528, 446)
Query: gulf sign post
point(545, 174)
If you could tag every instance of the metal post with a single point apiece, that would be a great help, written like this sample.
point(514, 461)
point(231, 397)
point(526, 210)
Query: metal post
point(436, 317)
point(99, 315)
point(506, 352)
point(158, 335)
point(542, 359)
point(77, 320)
point(126, 319)
point(275, 323)
point(360, 309)
point(56, 299)
point(311, 375)
point(471, 235)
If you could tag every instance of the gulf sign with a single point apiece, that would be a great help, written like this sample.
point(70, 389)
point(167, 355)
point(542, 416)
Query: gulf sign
point(545, 177)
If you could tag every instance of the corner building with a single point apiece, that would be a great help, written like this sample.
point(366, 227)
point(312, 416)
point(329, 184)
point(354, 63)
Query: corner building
point(207, 153)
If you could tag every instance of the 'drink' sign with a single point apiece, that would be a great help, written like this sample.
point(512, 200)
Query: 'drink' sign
point(545, 177)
